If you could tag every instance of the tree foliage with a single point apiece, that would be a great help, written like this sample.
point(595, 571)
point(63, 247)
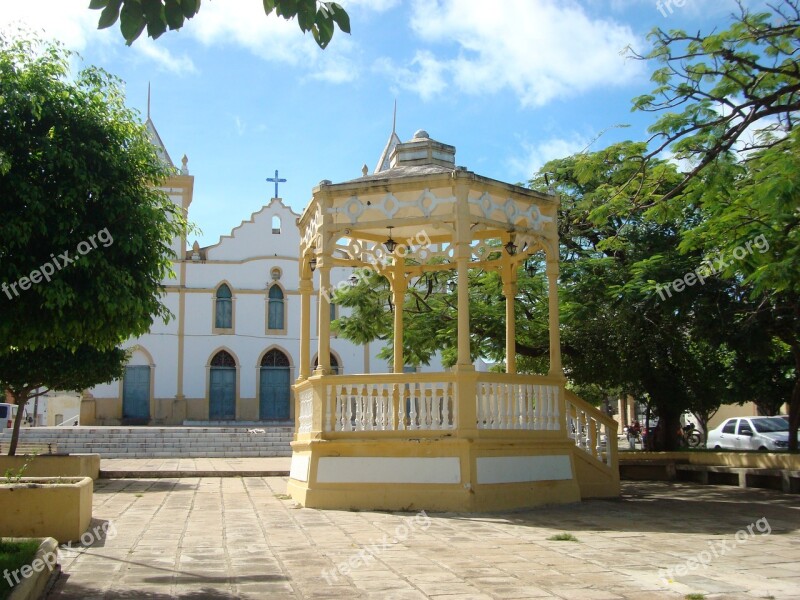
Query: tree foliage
point(134, 16)
point(87, 235)
point(736, 89)
point(29, 373)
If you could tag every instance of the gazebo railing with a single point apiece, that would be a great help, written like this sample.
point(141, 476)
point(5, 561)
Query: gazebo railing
point(593, 432)
point(530, 404)
point(371, 403)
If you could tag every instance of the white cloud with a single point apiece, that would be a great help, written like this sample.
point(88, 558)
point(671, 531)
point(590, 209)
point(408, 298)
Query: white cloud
point(73, 24)
point(243, 23)
point(539, 49)
point(426, 76)
point(65, 20)
point(532, 156)
point(163, 57)
point(374, 5)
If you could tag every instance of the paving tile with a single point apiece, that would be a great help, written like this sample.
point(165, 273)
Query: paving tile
point(231, 538)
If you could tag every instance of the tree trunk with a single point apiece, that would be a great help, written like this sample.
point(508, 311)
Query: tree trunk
point(669, 422)
point(20, 400)
point(794, 403)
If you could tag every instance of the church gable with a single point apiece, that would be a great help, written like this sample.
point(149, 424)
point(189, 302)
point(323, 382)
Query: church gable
point(271, 231)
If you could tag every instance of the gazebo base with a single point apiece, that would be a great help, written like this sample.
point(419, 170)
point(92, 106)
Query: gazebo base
point(434, 474)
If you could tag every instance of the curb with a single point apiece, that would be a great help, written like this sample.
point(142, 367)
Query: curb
point(33, 587)
point(188, 474)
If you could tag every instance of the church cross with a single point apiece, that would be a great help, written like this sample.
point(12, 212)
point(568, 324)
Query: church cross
point(276, 180)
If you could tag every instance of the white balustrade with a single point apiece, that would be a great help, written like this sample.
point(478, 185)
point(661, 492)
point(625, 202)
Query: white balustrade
point(416, 405)
point(306, 418)
point(531, 407)
point(589, 433)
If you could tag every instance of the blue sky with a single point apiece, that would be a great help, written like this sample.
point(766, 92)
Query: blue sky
point(510, 83)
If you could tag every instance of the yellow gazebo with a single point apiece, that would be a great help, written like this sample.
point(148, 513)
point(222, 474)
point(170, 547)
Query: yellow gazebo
point(453, 441)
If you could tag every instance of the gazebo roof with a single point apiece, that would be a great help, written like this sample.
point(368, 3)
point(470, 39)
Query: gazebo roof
point(422, 192)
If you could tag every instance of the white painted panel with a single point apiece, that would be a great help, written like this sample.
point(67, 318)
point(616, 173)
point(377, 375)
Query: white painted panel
point(299, 469)
point(516, 469)
point(380, 469)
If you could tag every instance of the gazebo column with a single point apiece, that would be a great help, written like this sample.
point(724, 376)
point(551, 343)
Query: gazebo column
point(399, 287)
point(466, 377)
point(509, 274)
point(324, 304)
point(555, 335)
point(306, 287)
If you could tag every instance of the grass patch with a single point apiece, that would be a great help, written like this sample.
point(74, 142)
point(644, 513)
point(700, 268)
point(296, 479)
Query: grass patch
point(694, 597)
point(282, 496)
point(14, 555)
point(563, 537)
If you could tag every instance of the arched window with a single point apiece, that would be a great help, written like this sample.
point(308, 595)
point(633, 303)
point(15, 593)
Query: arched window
point(275, 310)
point(224, 308)
point(275, 358)
point(276, 224)
point(335, 370)
point(223, 359)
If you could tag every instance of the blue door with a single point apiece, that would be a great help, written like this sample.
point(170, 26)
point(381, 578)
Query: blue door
point(136, 393)
point(222, 394)
point(274, 398)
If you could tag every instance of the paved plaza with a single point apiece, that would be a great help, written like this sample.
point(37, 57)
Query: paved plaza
point(233, 537)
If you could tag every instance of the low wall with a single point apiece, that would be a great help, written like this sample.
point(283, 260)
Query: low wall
point(753, 460)
point(55, 465)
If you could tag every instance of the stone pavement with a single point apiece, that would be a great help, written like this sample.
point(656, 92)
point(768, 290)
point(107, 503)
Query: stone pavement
point(196, 467)
point(230, 538)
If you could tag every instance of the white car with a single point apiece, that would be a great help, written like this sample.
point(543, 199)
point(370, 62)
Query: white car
point(8, 413)
point(750, 433)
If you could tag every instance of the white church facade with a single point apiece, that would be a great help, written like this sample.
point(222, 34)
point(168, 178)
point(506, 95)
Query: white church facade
point(230, 352)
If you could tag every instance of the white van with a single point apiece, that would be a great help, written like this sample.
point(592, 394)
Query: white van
point(8, 412)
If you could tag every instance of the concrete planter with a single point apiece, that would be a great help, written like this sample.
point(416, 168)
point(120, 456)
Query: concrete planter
point(54, 465)
point(46, 507)
point(34, 577)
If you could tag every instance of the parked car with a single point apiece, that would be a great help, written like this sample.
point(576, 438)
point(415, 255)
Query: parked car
point(8, 413)
point(750, 433)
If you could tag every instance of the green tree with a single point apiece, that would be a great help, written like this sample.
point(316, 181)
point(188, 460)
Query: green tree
point(320, 18)
point(752, 221)
point(714, 91)
point(86, 233)
point(30, 373)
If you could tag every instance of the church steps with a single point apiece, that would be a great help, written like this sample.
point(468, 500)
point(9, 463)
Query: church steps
point(163, 442)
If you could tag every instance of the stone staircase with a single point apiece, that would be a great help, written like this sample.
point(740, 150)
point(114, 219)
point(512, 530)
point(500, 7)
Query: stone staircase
point(163, 442)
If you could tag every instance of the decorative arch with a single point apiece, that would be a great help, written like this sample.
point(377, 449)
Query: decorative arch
point(223, 358)
point(144, 352)
point(337, 366)
point(223, 349)
point(284, 351)
point(276, 224)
